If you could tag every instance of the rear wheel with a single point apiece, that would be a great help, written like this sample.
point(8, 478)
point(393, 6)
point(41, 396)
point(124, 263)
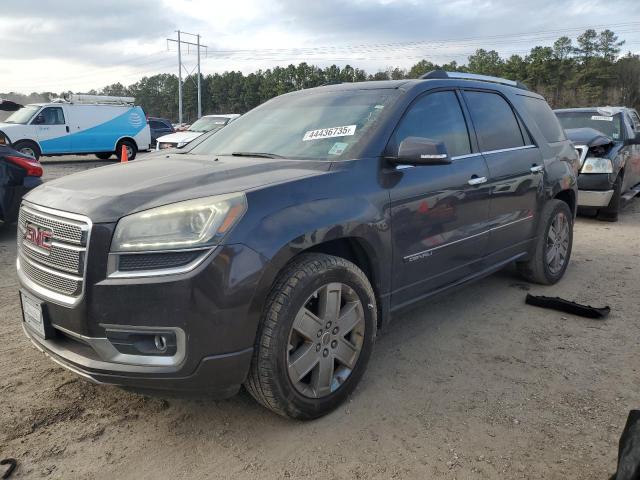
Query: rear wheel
point(552, 251)
point(131, 149)
point(610, 213)
point(27, 148)
point(104, 155)
point(315, 338)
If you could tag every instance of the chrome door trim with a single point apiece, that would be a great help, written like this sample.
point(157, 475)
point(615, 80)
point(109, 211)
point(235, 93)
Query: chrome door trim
point(428, 252)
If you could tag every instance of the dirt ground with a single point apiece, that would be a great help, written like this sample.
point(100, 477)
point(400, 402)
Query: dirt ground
point(473, 385)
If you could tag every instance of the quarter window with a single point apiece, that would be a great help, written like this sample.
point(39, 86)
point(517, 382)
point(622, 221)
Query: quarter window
point(494, 120)
point(436, 116)
point(545, 119)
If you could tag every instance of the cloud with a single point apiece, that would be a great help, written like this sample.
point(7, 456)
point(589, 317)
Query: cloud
point(83, 44)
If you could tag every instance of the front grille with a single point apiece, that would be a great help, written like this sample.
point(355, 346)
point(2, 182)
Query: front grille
point(59, 268)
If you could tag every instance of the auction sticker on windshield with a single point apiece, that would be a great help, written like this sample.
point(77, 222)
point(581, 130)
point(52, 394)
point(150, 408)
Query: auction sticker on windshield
point(331, 132)
point(604, 119)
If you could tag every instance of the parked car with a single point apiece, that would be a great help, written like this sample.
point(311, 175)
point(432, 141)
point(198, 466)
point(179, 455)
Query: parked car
point(19, 173)
point(270, 253)
point(208, 123)
point(608, 142)
point(84, 124)
point(159, 127)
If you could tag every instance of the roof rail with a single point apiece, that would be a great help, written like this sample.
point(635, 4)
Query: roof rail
point(100, 99)
point(439, 74)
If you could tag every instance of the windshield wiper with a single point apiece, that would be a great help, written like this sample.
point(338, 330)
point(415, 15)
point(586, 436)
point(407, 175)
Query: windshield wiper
point(256, 154)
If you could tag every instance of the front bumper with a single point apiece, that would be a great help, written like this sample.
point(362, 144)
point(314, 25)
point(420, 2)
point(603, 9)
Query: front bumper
point(594, 198)
point(208, 308)
point(595, 189)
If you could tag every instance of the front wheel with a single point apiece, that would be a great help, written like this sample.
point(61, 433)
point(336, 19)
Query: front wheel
point(27, 148)
point(315, 339)
point(552, 250)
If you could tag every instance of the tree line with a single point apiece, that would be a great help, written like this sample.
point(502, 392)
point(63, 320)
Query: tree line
point(585, 73)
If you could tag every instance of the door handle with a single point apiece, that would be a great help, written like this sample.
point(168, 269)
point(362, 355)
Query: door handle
point(67, 128)
point(477, 180)
point(537, 169)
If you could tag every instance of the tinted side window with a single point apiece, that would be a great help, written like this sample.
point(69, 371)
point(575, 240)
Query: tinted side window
point(155, 124)
point(545, 119)
point(495, 122)
point(53, 116)
point(437, 116)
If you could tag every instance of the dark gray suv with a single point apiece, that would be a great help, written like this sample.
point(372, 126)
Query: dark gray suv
point(270, 253)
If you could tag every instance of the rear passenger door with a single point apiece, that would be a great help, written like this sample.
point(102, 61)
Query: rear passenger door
point(516, 171)
point(439, 213)
point(52, 130)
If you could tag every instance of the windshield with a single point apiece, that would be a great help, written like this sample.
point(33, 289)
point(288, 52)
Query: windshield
point(319, 125)
point(23, 115)
point(208, 124)
point(609, 125)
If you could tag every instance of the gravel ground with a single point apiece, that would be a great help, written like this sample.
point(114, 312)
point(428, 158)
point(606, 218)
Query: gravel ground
point(473, 385)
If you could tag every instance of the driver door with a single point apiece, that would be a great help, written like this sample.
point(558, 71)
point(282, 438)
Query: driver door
point(439, 213)
point(52, 130)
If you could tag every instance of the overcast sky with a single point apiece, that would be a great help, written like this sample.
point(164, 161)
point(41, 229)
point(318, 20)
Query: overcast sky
point(54, 45)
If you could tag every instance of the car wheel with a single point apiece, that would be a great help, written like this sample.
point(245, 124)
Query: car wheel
point(315, 338)
point(552, 251)
point(105, 155)
point(610, 213)
point(27, 148)
point(131, 149)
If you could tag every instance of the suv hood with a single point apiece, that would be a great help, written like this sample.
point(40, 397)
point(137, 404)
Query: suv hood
point(178, 137)
point(105, 194)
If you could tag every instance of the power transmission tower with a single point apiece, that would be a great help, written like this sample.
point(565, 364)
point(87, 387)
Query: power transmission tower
point(182, 67)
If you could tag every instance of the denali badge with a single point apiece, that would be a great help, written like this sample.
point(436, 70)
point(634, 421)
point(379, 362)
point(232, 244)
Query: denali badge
point(38, 236)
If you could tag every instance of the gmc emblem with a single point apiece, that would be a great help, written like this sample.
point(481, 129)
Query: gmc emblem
point(38, 236)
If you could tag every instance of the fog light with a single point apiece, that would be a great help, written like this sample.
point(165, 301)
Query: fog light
point(161, 343)
point(143, 342)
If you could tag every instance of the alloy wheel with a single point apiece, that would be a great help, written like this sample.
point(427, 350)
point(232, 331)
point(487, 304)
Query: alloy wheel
point(557, 243)
point(325, 340)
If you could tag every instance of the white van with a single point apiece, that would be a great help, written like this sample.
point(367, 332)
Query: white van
point(81, 125)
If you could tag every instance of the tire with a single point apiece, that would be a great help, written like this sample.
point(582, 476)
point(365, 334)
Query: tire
point(105, 155)
point(273, 379)
point(28, 147)
point(539, 268)
point(610, 212)
point(131, 147)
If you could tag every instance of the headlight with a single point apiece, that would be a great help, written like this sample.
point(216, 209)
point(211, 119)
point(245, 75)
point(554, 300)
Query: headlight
point(597, 165)
point(191, 224)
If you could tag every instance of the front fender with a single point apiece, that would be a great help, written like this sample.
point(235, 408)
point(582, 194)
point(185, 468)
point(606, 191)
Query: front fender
point(284, 234)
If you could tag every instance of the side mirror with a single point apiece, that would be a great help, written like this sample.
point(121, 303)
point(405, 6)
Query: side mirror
point(422, 151)
point(39, 120)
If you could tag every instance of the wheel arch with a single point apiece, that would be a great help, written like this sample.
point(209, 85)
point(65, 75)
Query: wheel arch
point(355, 249)
point(125, 137)
point(569, 197)
point(27, 140)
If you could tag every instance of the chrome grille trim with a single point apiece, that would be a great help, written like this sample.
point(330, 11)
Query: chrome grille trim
point(57, 274)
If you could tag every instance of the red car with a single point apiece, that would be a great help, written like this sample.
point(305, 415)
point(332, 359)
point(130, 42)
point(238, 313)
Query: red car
point(18, 174)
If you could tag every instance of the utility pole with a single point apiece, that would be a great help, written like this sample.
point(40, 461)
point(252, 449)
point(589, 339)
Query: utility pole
point(179, 79)
point(189, 73)
point(199, 89)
